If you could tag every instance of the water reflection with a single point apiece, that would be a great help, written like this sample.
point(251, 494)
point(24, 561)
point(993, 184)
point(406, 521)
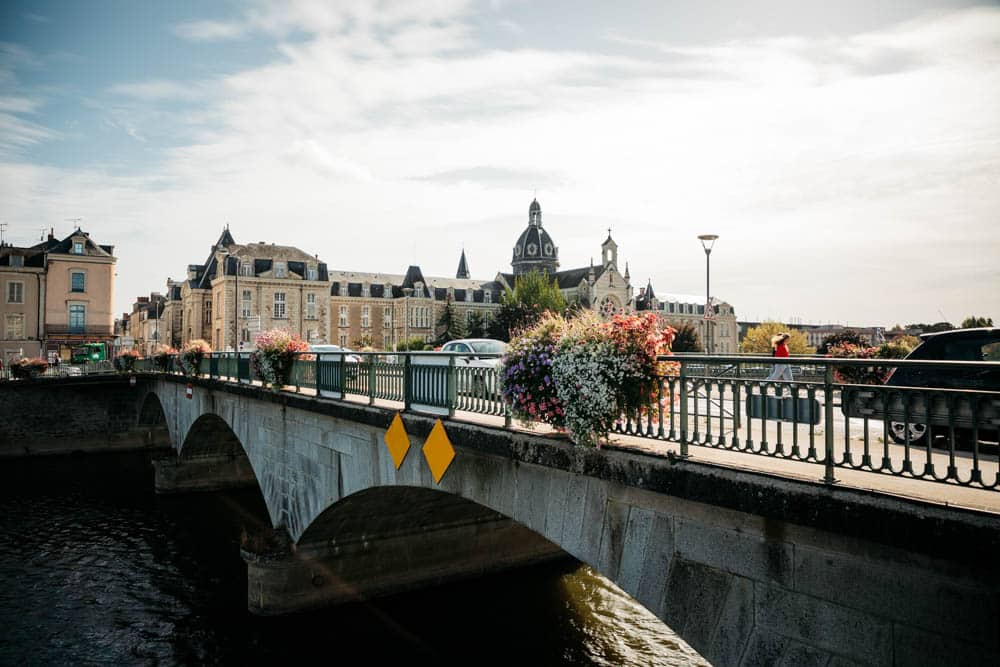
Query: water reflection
point(97, 569)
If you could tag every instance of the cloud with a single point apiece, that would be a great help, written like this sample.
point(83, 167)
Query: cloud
point(495, 177)
point(846, 162)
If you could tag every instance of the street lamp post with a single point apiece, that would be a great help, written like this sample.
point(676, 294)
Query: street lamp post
point(707, 241)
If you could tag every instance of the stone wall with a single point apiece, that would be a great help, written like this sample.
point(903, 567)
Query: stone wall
point(61, 415)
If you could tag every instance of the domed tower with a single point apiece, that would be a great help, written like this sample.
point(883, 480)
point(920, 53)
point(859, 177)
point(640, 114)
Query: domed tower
point(534, 250)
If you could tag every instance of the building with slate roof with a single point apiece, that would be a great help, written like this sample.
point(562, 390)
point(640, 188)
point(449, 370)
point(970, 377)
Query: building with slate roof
point(57, 294)
point(601, 287)
point(22, 320)
point(243, 289)
point(680, 309)
point(383, 309)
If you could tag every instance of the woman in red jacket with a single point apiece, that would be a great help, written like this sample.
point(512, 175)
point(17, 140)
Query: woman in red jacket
point(779, 348)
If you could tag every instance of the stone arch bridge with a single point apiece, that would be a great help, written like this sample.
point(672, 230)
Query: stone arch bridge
point(747, 568)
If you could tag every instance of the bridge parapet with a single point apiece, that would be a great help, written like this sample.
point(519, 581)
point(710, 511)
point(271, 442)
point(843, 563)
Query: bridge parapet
point(740, 564)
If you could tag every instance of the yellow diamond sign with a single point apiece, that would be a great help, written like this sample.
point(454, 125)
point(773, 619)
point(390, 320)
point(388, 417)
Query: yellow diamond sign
point(438, 451)
point(396, 441)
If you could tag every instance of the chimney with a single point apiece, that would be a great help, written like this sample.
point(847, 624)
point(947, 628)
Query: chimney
point(52, 233)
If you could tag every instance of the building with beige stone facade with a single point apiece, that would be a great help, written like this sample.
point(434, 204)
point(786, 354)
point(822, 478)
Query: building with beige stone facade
point(22, 302)
point(382, 310)
point(79, 293)
point(241, 290)
point(679, 309)
point(56, 295)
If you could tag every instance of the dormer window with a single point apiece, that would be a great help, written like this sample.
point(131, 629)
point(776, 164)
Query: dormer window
point(387, 291)
point(77, 247)
point(487, 296)
point(342, 290)
point(312, 273)
point(280, 270)
point(246, 269)
point(366, 290)
point(468, 295)
point(16, 261)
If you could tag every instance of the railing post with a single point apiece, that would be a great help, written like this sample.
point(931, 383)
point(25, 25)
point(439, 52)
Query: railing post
point(452, 387)
point(371, 380)
point(828, 425)
point(684, 410)
point(407, 393)
point(316, 372)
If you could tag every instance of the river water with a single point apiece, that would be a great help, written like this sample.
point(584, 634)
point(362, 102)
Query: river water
point(97, 569)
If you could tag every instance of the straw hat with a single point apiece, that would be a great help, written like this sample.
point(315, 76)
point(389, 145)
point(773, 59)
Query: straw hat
point(779, 338)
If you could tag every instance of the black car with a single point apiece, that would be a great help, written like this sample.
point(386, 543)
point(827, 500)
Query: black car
point(957, 345)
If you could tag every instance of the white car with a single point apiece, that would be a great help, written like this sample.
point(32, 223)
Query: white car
point(475, 347)
point(475, 380)
point(349, 356)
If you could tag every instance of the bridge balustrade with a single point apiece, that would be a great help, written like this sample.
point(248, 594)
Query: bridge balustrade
point(935, 434)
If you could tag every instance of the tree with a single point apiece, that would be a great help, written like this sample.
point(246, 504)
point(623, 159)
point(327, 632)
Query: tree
point(974, 322)
point(533, 294)
point(687, 339)
point(449, 325)
point(758, 339)
point(932, 328)
point(477, 326)
point(839, 338)
point(412, 344)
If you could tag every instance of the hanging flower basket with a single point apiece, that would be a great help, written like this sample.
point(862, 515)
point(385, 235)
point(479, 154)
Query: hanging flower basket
point(584, 374)
point(162, 357)
point(28, 368)
point(127, 360)
point(274, 356)
point(192, 355)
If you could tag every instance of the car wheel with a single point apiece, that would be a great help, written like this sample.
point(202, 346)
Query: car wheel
point(899, 431)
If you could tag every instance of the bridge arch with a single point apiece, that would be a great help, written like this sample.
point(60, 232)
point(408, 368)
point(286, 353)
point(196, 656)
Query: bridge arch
point(746, 568)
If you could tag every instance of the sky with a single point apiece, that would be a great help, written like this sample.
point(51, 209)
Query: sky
point(847, 154)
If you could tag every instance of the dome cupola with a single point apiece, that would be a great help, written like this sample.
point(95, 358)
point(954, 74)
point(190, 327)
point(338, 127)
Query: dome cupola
point(534, 249)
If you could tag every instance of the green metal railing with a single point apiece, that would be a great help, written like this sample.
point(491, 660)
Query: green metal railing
point(717, 402)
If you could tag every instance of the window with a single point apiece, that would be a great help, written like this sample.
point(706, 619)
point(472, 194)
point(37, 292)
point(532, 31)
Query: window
point(387, 291)
point(365, 316)
point(245, 335)
point(218, 307)
point(468, 295)
point(343, 340)
point(78, 281)
point(342, 289)
point(387, 317)
point(16, 261)
point(342, 321)
point(487, 296)
point(246, 269)
point(206, 315)
point(77, 318)
point(312, 273)
point(280, 270)
point(15, 292)
point(366, 290)
point(310, 306)
point(279, 306)
point(247, 301)
point(77, 247)
point(14, 326)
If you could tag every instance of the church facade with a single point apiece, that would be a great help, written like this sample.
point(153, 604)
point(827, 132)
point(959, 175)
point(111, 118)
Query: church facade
point(604, 287)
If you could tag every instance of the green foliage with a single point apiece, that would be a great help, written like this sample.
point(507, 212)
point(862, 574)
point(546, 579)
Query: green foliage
point(534, 293)
point(907, 341)
point(687, 339)
point(449, 325)
point(365, 341)
point(477, 325)
point(840, 338)
point(974, 322)
point(412, 344)
point(932, 328)
point(758, 339)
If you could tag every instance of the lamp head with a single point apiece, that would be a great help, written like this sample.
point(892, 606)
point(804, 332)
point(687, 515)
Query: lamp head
point(707, 241)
